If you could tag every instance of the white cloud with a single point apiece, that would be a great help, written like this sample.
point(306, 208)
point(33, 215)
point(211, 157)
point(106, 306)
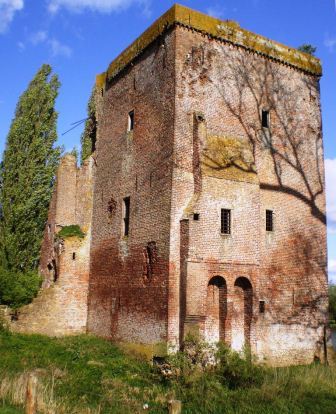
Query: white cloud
point(330, 169)
point(215, 11)
point(21, 46)
point(332, 265)
point(330, 43)
point(42, 37)
point(7, 10)
point(103, 6)
point(59, 49)
point(38, 37)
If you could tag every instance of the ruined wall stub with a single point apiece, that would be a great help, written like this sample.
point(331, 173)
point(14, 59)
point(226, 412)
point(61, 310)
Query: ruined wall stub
point(61, 305)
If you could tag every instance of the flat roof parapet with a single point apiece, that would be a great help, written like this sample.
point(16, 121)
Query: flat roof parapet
point(225, 30)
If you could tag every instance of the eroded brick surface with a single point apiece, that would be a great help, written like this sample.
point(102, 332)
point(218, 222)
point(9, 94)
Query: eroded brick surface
point(61, 305)
point(233, 168)
point(197, 147)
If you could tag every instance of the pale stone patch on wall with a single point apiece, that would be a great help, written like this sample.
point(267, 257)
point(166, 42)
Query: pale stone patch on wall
point(281, 344)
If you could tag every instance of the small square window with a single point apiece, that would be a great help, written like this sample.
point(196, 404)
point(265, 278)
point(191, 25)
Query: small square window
point(269, 220)
point(265, 118)
point(261, 306)
point(130, 125)
point(225, 221)
point(196, 216)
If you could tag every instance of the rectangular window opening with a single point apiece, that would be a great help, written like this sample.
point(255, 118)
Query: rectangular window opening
point(196, 216)
point(265, 118)
point(73, 256)
point(130, 125)
point(126, 214)
point(269, 220)
point(225, 221)
point(261, 306)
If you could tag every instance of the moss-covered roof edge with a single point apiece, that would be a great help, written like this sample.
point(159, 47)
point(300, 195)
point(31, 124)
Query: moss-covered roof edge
point(228, 31)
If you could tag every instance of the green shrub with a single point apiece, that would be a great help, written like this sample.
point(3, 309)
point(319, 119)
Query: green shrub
point(71, 231)
point(235, 371)
point(306, 48)
point(17, 289)
point(212, 364)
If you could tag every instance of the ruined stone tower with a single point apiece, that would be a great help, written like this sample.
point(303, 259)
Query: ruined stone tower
point(61, 306)
point(208, 194)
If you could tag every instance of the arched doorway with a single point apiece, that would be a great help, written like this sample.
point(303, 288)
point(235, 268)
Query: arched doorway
point(242, 313)
point(216, 309)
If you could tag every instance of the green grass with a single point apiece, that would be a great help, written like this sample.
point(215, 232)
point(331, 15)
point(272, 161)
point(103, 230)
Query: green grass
point(8, 409)
point(85, 374)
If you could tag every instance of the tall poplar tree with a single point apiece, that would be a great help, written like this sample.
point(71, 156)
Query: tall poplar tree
point(27, 173)
point(88, 137)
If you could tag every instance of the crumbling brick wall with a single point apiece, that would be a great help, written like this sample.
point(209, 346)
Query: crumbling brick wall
point(61, 305)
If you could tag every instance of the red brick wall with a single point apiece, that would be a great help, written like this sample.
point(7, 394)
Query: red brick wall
point(129, 275)
point(286, 268)
point(198, 147)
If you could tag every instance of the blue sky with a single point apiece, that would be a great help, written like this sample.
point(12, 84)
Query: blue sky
point(79, 38)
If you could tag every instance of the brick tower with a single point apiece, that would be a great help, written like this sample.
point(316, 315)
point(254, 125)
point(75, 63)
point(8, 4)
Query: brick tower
point(209, 204)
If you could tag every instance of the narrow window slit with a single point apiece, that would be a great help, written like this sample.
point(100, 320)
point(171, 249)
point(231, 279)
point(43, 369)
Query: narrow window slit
point(126, 208)
point(269, 220)
point(130, 125)
point(265, 118)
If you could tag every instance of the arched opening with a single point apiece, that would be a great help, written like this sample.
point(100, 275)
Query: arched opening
point(242, 313)
point(216, 310)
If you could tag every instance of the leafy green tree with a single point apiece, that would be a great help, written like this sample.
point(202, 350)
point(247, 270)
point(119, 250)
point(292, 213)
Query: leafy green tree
point(306, 48)
point(27, 173)
point(88, 138)
point(332, 302)
point(18, 288)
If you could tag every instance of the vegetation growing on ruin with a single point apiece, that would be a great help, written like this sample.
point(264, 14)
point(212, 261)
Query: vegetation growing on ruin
point(71, 231)
point(88, 138)
point(306, 48)
point(224, 30)
point(103, 379)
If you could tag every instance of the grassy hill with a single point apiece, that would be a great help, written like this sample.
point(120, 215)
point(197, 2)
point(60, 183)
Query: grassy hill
point(88, 375)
